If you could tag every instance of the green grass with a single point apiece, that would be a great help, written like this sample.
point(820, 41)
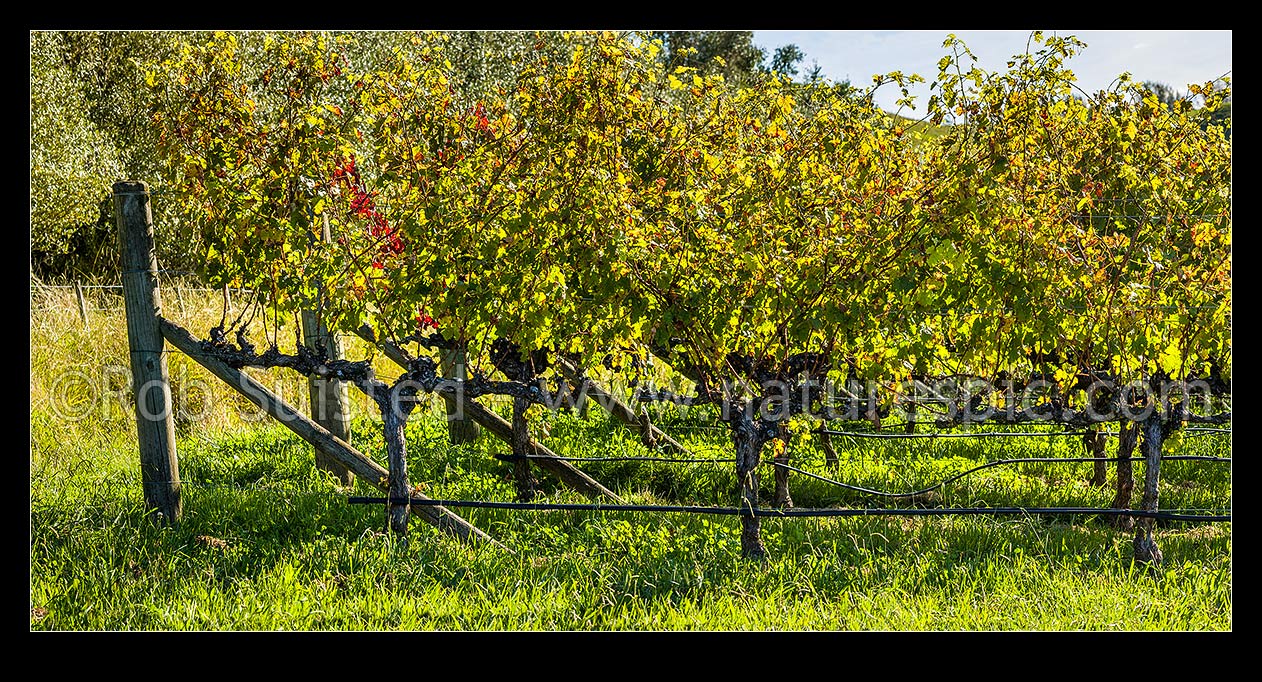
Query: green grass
point(268, 542)
point(298, 557)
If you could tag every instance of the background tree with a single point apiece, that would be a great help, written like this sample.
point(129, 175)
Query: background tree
point(1220, 115)
point(1163, 92)
point(102, 81)
point(739, 59)
point(92, 121)
point(815, 74)
point(784, 62)
point(73, 161)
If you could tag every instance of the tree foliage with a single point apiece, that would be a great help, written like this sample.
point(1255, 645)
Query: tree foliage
point(73, 161)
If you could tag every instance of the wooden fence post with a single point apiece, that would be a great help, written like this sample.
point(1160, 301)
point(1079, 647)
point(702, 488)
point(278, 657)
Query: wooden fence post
point(330, 401)
point(826, 441)
point(460, 426)
point(159, 471)
point(329, 398)
point(83, 304)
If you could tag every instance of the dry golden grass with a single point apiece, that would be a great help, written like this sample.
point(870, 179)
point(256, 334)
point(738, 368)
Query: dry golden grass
point(80, 380)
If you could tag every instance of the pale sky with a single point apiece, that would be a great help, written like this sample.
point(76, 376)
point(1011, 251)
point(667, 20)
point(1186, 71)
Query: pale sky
point(1172, 57)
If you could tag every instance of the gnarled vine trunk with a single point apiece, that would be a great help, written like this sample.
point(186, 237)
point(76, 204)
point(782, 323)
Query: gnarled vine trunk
point(1146, 549)
point(748, 445)
point(1127, 434)
point(526, 483)
point(394, 419)
point(1094, 442)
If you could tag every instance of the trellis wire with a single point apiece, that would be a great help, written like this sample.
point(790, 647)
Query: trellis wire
point(988, 465)
point(119, 286)
point(983, 434)
point(131, 485)
point(1173, 515)
point(729, 460)
point(1191, 431)
point(870, 491)
point(1149, 215)
point(801, 512)
point(979, 434)
point(670, 460)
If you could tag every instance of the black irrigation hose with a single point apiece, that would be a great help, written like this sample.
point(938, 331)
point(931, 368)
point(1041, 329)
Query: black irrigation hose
point(760, 511)
point(987, 465)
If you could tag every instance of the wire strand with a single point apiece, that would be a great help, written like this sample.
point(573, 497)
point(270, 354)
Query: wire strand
point(988, 465)
point(980, 434)
point(1176, 515)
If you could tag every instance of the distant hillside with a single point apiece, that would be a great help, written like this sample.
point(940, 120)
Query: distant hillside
point(923, 127)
